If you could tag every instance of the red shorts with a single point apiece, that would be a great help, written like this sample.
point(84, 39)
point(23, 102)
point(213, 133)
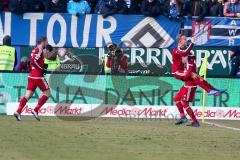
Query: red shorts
point(39, 82)
point(186, 93)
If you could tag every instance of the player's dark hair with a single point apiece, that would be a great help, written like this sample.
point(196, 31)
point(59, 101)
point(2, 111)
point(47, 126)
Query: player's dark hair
point(41, 39)
point(49, 48)
point(7, 40)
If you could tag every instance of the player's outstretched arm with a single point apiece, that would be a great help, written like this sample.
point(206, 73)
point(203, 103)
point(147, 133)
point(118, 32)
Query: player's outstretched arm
point(187, 51)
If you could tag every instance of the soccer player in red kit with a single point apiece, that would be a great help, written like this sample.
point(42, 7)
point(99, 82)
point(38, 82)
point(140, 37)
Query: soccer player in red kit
point(185, 69)
point(36, 79)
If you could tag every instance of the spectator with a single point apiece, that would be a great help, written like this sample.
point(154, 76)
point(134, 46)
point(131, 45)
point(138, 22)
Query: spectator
point(8, 55)
point(51, 59)
point(215, 8)
point(92, 4)
point(98, 6)
point(165, 5)
point(4, 5)
point(107, 7)
point(151, 8)
point(15, 6)
point(174, 10)
point(63, 54)
point(116, 60)
point(197, 8)
point(78, 7)
point(234, 62)
point(24, 64)
point(111, 48)
point(232, 8)
point(32, 6)
point(1, 6)
point(56, 6)
point(128, 6)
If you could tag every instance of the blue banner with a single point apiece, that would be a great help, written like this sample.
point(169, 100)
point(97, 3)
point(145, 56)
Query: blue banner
point(214, 31)
point(65, 30)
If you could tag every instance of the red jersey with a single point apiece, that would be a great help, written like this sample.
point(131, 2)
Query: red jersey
point(191, 65)
point(177, 57)
point(37, 62)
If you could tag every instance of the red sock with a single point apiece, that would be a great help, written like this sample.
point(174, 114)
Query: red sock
point(22, 104)
point(180, 109)
point(203, 84)
point(41, 102)
point(189, 111)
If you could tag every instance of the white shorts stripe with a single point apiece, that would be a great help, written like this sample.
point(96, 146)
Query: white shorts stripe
point(180, 73)
point(188, 94)
point(45, 83)
point(35, 77)
point(189, 86)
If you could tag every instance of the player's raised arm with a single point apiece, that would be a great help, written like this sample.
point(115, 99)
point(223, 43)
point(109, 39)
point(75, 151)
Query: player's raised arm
point(183, 47)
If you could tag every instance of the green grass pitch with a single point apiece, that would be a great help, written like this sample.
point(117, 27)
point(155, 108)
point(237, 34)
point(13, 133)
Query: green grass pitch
point(115, 139)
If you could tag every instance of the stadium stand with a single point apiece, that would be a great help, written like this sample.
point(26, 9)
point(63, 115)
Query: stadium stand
point(171, 8)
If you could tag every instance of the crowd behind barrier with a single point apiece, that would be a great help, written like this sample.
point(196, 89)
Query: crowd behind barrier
point(174, 9)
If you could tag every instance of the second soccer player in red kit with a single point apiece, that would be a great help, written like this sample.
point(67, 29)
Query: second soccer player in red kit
point(184, 68)
point(36, 80)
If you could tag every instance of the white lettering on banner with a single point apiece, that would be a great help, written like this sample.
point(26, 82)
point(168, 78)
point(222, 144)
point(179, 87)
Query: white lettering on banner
point(233, 23)
point(218, 58)
point(150, 57)
point(63, 34)
point(74, 31)
point(232, 32)
point(124, 111)
point(101, 55)
point(33, 17)
point(135, 57)
point(86, 30)
point(166, 55)
point(218, 54)
point(6, 30)
point(231, 42)
point(146, 57)
point(104, 33)
point(200, 56)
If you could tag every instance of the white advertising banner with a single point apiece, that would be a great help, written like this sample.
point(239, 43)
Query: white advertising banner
point(124, 111)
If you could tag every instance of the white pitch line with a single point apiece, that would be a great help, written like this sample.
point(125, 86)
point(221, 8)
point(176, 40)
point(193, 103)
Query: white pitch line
point(222, 126)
